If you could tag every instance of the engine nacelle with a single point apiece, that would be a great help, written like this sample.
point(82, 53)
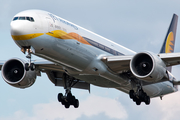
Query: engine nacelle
point(148, 67)
point(14, 73)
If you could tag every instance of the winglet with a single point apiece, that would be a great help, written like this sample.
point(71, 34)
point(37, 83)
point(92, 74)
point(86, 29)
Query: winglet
point(169, 41)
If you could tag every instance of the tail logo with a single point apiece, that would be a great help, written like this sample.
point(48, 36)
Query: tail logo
point(170, 43)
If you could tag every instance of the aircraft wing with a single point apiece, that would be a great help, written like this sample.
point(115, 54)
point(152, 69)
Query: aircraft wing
point(117, 63)
point(1, 63)
point(55, 72)
point(122, 63)
point(40, 64)
point(170, 59)
point(44, 65)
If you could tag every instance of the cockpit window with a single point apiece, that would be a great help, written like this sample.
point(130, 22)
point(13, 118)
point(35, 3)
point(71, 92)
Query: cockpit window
point(32, 19)
point(15, 18)
point(24, 18)
point(28, 18)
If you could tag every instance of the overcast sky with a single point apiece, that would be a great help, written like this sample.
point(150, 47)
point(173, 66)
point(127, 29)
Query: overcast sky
point(138, 25)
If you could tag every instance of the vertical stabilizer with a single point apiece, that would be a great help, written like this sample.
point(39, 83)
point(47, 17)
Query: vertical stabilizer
point(169, 41)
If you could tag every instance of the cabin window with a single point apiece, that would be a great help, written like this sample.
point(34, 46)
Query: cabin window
point(101, 46)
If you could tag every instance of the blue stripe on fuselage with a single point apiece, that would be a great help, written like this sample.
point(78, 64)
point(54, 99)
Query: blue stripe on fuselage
point(102, 47)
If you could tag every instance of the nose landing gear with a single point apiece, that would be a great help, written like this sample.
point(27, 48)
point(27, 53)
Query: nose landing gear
point(29, 65)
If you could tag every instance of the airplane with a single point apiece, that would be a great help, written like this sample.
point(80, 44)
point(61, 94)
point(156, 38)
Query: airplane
point(74, 57)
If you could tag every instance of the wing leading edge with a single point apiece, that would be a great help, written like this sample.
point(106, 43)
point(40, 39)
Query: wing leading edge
point(117, 63)
point(55, 74)
point(122, 63)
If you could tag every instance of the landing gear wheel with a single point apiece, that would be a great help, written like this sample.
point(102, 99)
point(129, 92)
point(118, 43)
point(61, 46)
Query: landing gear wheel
point(60, 95)
point(134, 98)
point(63, 102)
point(67, 105)
point(73, 98)
point(131, 94)
point(147, 100)
point(27, 66)
point(69, 96)
point(32, 66)
point(76, 103)
point(138, 102)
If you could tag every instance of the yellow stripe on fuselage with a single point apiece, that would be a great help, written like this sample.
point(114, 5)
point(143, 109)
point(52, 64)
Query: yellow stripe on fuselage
point(63, 35)
point(26, 37)
point(56, 33)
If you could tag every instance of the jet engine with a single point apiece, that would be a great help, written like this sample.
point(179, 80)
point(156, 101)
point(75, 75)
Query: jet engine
point(14, 73)
point(148, 67)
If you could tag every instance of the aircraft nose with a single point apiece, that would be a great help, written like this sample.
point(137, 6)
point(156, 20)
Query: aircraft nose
point(16, 28)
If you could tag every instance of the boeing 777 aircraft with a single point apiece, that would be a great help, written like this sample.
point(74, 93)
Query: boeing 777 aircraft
point(73, 57)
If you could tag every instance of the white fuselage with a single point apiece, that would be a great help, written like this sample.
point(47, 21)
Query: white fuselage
point(78, 50)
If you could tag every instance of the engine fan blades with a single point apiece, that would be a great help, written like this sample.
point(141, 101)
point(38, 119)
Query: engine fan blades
point(143, 68)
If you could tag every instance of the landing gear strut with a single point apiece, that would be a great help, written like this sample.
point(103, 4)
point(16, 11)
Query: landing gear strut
point(68, 99)
point(139, 96)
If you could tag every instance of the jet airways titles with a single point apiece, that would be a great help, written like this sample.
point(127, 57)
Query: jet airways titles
point(63, 21)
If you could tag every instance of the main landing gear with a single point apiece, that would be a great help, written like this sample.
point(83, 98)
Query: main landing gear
point(139, 96)
point(68, 99)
